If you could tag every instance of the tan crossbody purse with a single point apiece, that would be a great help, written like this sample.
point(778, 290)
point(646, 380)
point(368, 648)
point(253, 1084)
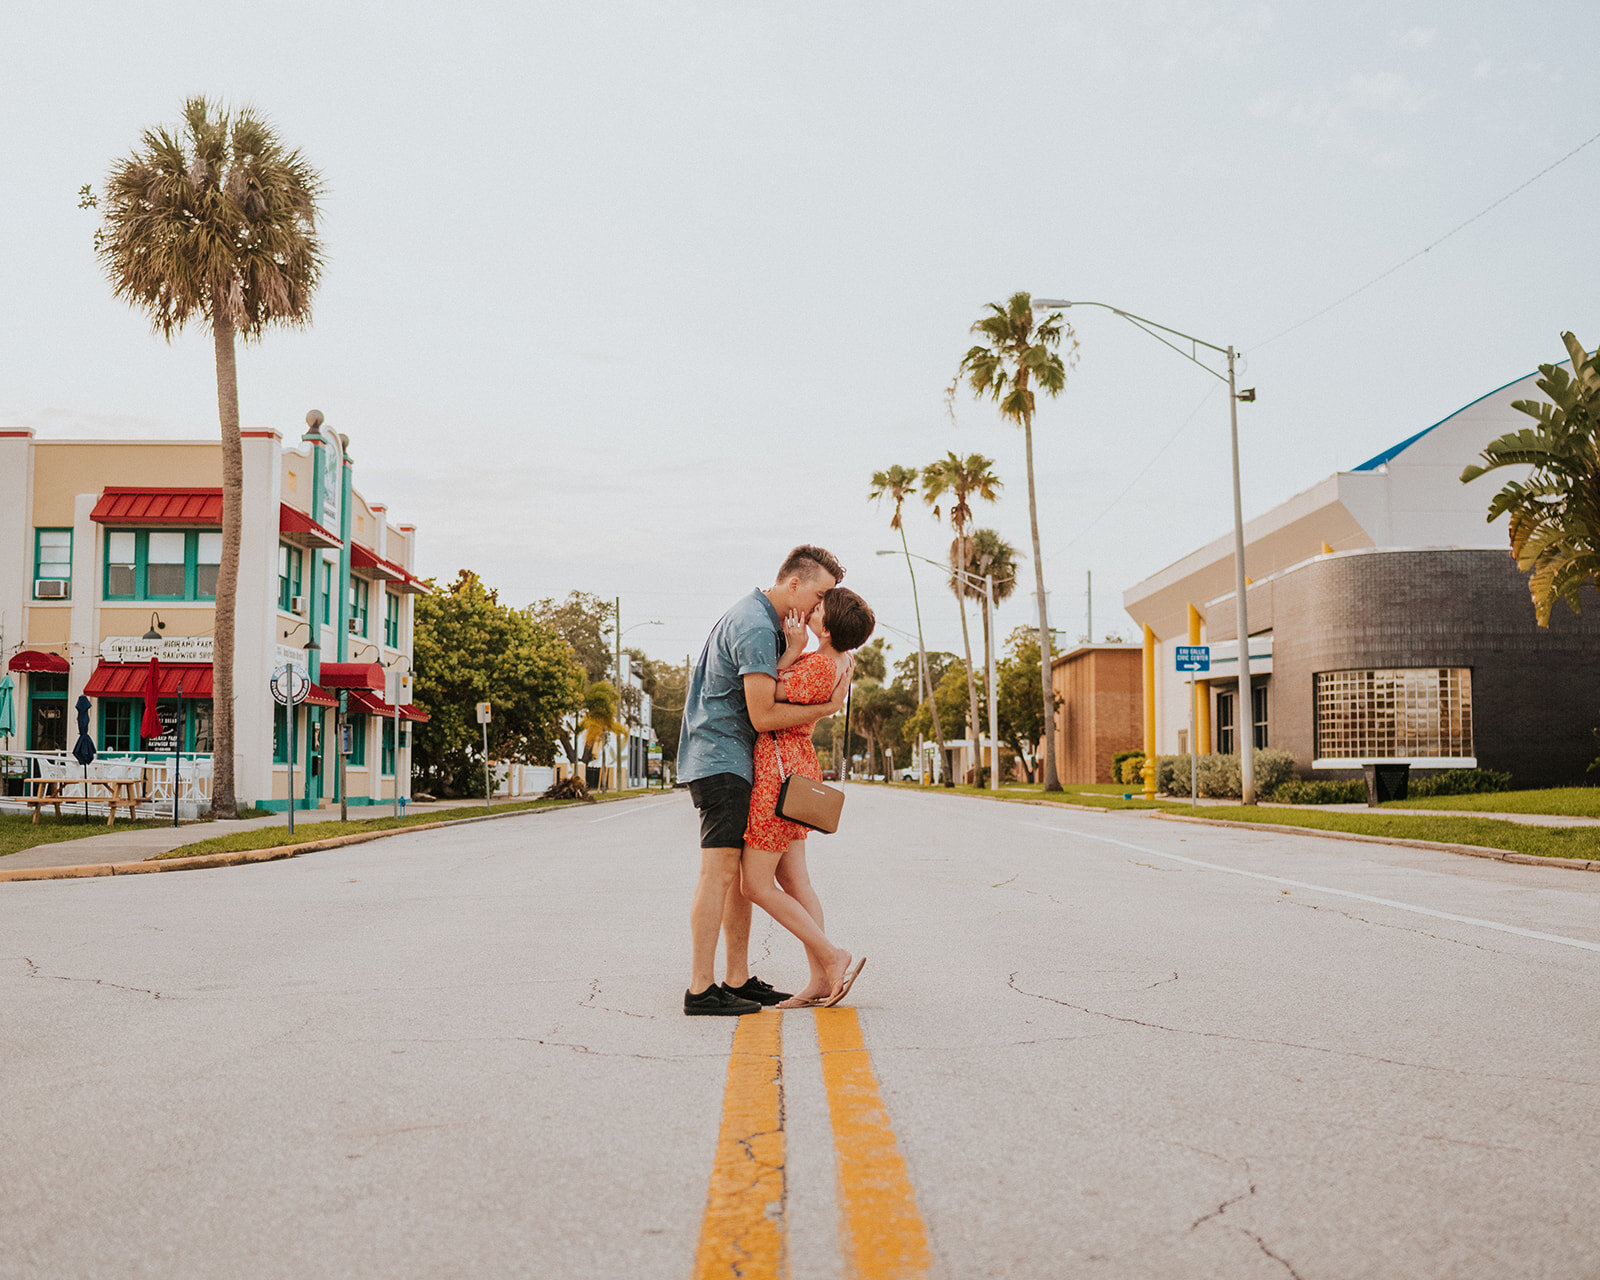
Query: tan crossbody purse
point(807, 803)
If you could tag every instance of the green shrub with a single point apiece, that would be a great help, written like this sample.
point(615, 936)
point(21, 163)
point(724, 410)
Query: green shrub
point(1320, 791)
point(1459, 782)
point(1127, 767)
point(1218, 775)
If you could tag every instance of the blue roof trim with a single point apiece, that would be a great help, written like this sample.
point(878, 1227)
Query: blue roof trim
point(1393, 451)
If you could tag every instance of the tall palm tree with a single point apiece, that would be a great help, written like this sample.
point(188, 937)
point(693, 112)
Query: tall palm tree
point(1555, 512)
point(897, 484)
point(987, 553)
point(963, 479)
point(215, 222)
point(1014, 357)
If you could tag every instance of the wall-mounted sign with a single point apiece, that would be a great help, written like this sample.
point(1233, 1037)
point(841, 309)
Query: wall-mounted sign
point(167, 649)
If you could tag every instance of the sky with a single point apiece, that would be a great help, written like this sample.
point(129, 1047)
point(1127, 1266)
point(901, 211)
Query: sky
point(632, 298)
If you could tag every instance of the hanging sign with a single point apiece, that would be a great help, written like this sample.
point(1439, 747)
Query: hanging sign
point(289, 685)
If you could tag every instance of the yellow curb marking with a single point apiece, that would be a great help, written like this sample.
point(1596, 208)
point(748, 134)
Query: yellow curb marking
point(744, 1232)
point(882, 1232)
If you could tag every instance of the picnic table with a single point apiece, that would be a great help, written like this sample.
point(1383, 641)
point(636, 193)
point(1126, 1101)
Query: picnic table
point(124, 793)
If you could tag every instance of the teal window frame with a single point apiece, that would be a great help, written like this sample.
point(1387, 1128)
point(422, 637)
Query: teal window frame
point(391, 619)
point(291, 575)
point(121, 721)
point(119, 724)
point(280, 736)
point(45, 686)
point(39, 564)
point(192, 565)
point(327, 592)
point(360, 597)
point(386, 757)
point(359, 728)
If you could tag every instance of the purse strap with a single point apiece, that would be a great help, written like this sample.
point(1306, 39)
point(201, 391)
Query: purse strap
point(778, 751)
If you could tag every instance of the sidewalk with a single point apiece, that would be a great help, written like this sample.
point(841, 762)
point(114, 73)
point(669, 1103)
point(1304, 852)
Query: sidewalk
point(1529, 819)
point(138, 845)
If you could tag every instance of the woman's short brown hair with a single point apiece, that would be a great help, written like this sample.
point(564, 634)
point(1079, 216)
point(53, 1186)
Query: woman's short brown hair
point(848, 618)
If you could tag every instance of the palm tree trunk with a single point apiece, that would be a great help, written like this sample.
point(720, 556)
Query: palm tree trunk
point(1052, 781)
point(922, 654)
point(224, 802)
point(972, 687)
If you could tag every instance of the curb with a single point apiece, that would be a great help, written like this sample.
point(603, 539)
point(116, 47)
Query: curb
point(1470, 850)
point(206, 861)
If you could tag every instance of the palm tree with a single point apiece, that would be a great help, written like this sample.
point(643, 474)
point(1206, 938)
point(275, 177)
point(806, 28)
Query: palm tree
point(1555, 512)
point(962, 478)
point(987, 553)
point(1015, 356)
point(217, 223)
point(897, 484)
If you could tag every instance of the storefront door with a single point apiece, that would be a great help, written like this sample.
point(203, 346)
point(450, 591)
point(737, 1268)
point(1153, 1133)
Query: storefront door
point(47, 712)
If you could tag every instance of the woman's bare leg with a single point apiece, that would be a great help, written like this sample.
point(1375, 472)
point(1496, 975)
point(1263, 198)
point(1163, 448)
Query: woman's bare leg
point(758, 870)
point(794, 878)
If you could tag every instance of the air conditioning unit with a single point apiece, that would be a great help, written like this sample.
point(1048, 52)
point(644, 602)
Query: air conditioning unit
point(51, 589)
point(297, 604)
point(355, 626)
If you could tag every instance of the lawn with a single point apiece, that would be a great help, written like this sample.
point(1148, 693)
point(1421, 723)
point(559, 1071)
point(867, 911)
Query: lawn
point(1098, 795)
point(306, 832)
point(18, 831)
point(1572, 802)
point(1487, 833)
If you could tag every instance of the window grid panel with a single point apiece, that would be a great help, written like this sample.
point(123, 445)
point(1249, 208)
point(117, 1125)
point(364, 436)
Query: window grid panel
point(1399, 713)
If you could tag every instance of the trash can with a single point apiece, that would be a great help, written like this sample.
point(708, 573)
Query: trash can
point(1386, 782)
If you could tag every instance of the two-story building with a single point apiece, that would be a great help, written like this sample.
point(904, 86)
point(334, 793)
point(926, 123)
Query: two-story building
point(109, 553)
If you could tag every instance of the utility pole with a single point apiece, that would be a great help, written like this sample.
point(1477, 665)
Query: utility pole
point(616, 745)
point(1088, 595)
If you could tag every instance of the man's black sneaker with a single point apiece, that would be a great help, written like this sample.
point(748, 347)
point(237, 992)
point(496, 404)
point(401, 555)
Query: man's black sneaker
point(717, 1002)
point(757, 990)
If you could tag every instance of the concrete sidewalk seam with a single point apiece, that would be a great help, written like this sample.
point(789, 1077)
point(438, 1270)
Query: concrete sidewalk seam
point(206, 861)
point(1470, 850)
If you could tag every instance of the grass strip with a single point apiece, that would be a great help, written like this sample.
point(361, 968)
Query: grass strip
point(1099, 795)
point(1570, 802)
point(19, 832)
point(275, 836)
point(1582, 843)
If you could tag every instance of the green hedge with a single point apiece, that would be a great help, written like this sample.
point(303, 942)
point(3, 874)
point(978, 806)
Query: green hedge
point(1219, 776)
point(1321, 791)
point(1459, 782)
point(1452, 782)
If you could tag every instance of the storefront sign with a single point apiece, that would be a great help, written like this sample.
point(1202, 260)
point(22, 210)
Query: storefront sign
point(167, 649)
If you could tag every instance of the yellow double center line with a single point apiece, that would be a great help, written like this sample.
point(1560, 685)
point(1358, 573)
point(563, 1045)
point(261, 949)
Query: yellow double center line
point(745, 1231)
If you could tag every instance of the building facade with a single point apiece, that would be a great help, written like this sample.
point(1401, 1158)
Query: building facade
point(110, 559)
point(1099, 709)
point(1387, 622)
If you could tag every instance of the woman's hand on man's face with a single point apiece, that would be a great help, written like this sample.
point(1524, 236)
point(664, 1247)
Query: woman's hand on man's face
point(794, 629)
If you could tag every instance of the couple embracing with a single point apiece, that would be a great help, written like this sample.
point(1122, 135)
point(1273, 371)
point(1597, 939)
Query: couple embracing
point(747, 720)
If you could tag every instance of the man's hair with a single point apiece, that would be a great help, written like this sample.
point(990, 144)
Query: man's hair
point(848, 618)
point(807, 562)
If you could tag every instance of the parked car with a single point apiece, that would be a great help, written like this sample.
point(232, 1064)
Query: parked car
point(830, 775)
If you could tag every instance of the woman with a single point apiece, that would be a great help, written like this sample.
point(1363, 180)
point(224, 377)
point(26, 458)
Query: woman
point(773, 867)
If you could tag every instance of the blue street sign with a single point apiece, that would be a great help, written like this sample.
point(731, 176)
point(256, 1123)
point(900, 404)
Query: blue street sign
point(1194, 657)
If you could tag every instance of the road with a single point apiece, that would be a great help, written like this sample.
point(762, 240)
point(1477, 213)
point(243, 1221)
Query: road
point(1088, 1045)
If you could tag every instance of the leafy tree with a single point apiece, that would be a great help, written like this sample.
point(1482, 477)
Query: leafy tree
point(870, 662)
point(1554, 514)
point(470, 648)
point(938, 663)
point(896, 484)
point(216, 222)
point(1015, 356)
point(951, 695)
point(987, 553)
point(962, 479)
point(1021, 717)
point(877, 712)
point(582, 620)
point(670, 685)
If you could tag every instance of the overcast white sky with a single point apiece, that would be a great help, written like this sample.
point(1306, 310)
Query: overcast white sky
point(633, 297)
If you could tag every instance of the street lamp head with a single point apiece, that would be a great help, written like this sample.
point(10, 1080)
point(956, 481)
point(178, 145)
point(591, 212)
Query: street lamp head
point(1248, 395)
point(1050, 304)
point(885, 553)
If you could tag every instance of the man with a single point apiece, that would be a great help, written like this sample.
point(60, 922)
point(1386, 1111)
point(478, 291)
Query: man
point(732, 696)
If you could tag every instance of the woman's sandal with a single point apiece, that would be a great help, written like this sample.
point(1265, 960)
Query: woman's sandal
point(844, 987)
point(801, 1002)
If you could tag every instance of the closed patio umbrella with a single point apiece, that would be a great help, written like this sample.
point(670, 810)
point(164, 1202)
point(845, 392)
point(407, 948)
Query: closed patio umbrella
point(150, 725)
point(83, 750)
point(8, 708)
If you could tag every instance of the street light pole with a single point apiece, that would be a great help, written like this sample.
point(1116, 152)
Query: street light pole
point(926, 683)
point(1244, 717)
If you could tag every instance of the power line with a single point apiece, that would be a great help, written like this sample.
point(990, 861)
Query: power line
point(1339, 302)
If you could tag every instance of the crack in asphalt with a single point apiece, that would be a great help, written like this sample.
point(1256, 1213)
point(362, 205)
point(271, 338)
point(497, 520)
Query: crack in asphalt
point(1291, 1044)
point(1223, 1208)
point(1438, 937)
point(1278, 1258)
point(34, 972)
point(555, 1044)
point(588, 1002)
point(1004, 883)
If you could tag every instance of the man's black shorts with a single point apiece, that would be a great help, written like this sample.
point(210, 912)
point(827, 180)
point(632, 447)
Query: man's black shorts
point(724, 803)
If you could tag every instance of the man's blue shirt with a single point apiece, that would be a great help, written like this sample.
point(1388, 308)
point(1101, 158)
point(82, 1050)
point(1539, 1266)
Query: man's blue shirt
point(717, 735)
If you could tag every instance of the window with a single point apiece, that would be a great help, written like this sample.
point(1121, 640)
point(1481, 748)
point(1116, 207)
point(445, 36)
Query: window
point(290, 565)
point(327, 593)
point(360, 589)
point(1258, 715)
point(161, 564)
point(358, 742)
point(391, 620)
point(121, 720)
point(52, 563)
point(1225, 742)
point(116, 725)
point(386, 760)
point(47, 711)
point(1418, 713)
point(280, 736)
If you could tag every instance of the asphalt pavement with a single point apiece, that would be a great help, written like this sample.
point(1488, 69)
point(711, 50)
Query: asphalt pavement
point(1084, 1044)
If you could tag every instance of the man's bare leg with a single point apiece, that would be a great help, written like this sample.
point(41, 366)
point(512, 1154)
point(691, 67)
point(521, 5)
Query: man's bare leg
point(719, 869)
point(736, 935)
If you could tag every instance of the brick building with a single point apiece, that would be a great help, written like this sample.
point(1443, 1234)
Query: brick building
point(1100, 709)
point(1387, 622)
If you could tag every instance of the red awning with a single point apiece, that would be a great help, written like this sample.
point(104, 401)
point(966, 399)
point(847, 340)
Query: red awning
point(372, 705)
point(301, 530)
point(131, 679)
point(352, 675)
point(320, 697)
point(365, 560)
point(158, 506)
point(36, 660)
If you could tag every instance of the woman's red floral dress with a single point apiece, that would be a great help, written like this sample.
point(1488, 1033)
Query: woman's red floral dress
point(810, 680)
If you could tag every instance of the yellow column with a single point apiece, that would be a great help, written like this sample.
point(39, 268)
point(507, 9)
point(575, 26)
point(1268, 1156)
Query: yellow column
point(1149, 714)
point(1202, 694)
